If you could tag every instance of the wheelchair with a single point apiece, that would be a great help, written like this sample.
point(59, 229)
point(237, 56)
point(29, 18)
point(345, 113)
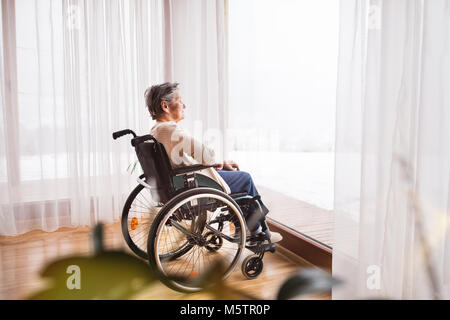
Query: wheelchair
point(183, 222)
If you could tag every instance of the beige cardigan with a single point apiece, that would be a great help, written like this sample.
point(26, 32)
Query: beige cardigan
point(183, 150)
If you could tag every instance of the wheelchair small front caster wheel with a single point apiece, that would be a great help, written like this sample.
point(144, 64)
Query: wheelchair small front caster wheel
point(214, 242)
point(252, 266)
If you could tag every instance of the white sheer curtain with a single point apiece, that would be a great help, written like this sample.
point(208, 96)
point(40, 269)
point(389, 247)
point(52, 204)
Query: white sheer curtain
point(196, 58)
point(392, 176)
point(75, 71)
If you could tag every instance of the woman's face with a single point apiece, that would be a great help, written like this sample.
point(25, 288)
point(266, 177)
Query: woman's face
point(176, 108)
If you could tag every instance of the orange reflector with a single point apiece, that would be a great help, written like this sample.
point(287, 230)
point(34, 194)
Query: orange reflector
point(193, 275)
point(134, 223)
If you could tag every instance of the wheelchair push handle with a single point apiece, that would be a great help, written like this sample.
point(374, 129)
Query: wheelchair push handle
point(138, 140)
point(121, 133)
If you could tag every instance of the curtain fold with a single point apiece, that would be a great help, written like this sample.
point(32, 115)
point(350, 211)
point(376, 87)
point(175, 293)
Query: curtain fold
point(392, 164)
point(81, 71)
point(196, 53)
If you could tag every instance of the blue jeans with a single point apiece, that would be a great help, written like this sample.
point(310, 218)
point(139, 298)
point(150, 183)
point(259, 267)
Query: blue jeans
point(241, 181)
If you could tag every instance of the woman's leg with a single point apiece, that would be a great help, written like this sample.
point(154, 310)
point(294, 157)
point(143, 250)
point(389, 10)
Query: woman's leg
point(241, 181)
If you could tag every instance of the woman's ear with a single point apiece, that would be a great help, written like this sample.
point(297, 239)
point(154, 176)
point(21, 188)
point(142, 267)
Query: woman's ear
point(165, 106)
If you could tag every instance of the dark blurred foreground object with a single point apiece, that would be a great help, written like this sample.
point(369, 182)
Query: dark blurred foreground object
point(105, 275)
point(306, 282)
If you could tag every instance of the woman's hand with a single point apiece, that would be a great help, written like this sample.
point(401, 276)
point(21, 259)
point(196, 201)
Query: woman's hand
point(230, 166)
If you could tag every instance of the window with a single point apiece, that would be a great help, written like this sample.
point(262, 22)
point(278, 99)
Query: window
point(282, 83)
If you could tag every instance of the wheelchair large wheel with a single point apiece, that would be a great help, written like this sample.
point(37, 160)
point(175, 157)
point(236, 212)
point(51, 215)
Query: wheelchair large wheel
point(138, 214)
point(213, 225)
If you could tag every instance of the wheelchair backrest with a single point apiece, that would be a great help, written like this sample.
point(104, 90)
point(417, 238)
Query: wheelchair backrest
point(157, 169)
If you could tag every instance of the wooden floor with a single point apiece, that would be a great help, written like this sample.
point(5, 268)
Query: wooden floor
point(316, 223)
point(23, 257)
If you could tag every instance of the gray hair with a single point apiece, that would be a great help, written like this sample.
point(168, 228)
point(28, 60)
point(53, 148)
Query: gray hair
point(158, 93)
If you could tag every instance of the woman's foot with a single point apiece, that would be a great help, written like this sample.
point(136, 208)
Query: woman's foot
point(275, 237)
point(261, 236)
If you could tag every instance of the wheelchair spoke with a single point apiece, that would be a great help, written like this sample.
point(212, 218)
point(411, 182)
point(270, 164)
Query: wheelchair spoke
point(220, 234)
point(181, 228)
point(192, 215)
point(142, 235)
point(146, 200)
point(194, 262)
point(140, 206)
point(190, 260)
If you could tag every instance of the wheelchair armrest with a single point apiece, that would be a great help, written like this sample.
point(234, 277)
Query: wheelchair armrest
point(196, 167)
point(239, 195)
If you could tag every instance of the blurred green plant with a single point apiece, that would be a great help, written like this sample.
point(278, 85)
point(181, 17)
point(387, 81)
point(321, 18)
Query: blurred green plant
point(105, 275)
point(132, 166)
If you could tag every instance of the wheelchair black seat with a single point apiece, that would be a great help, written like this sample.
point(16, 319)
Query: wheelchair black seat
point(155, 163)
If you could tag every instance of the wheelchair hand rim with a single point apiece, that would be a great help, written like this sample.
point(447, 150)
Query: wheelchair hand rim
point(170, 213)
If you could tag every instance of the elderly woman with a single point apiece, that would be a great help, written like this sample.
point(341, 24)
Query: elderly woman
point(166, 107)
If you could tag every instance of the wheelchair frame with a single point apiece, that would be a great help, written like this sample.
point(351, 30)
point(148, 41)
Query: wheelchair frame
point(167, 185)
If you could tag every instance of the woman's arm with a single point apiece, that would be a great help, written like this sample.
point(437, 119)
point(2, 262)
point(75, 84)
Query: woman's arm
point(186, 150)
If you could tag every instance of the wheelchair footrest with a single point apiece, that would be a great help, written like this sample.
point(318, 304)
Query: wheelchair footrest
point(269, 247)
point(262, 247)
